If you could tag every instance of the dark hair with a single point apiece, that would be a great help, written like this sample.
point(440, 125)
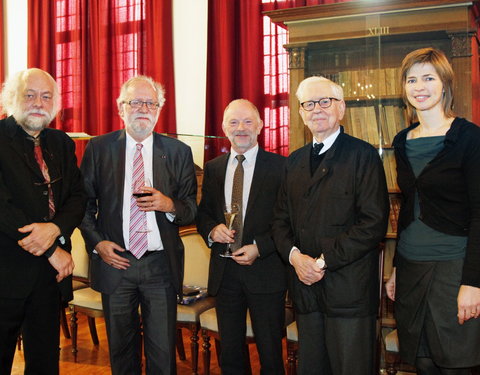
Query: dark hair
point(444, 70)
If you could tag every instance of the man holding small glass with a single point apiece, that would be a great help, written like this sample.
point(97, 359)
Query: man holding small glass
point(253, 276)
point(131, 229)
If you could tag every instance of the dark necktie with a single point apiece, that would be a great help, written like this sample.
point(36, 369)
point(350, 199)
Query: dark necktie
point(316, 158)
point(37, 151)
point(237, 198)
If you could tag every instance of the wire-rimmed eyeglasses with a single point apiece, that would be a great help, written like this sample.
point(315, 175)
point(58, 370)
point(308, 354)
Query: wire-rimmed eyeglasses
point(309, 105)
point(137, 104)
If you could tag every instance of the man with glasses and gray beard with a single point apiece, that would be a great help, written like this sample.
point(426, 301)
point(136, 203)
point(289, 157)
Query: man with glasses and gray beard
point(41, 202)
point(330, 217)
point(141, 187)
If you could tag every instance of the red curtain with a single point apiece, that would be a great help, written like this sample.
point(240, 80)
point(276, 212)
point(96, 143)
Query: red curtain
point(2, 46)
point(2, 52)
point(246, 59)
point(234, 62)
point(92, 46)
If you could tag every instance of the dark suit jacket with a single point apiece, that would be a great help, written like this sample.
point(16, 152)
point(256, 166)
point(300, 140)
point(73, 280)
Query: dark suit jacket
point(103, 166)
point(24, 200)
point(267, 274)
point(342, 212)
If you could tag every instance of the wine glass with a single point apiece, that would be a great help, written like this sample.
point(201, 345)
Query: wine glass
point(138, 192)
point(230, 211)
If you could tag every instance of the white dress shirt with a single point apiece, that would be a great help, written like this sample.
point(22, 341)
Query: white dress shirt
point(154, 238)
point(248, 169)
point(328, 142)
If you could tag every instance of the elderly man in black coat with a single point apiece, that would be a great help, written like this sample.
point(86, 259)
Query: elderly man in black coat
point(331, 215)
point(41, 202)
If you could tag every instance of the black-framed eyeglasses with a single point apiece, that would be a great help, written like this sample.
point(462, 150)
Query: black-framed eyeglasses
point(309, 105)
point(137, 104)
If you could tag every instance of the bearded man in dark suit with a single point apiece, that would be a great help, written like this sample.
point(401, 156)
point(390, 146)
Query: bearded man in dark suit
point(254, 277)
point(41, 202)
point(331, 215)
point(135, 249)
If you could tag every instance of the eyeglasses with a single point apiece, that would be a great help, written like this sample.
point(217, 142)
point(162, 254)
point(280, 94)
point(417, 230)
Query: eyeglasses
point(323, 103)
point(43, 97)
point(137, 104)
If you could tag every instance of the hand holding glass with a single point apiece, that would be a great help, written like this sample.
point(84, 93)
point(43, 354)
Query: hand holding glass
point(230, 211)
point(138, 192)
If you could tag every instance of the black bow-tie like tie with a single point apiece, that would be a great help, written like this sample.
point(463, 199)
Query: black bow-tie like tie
point(317, 147)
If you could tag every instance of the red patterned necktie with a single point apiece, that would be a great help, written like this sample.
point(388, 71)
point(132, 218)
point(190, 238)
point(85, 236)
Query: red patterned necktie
point(44, 169)
point(138, 219)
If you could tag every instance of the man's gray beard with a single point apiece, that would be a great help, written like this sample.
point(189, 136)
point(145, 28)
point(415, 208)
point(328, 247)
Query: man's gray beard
point(137, 129)
point(31, 123)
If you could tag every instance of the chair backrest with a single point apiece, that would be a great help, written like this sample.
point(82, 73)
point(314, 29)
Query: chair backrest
point(197, 258)
point(79, 255)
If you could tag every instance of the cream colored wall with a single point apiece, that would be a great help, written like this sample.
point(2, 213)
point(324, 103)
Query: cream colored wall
point(15, 17)
point(190, 57)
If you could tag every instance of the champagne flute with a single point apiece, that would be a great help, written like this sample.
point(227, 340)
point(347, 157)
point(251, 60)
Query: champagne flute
point(230, 211)
point(138, 192)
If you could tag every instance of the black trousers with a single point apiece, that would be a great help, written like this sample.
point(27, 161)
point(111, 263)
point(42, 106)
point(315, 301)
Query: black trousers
point(145, 284)
point(37, 317)
point(267, 313)
point(335, 346)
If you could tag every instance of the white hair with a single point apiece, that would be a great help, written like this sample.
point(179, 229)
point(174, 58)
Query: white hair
point(157, 87)
point(337, 89)
point(14, 88)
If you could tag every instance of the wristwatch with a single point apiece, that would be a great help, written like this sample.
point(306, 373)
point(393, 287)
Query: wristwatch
point(321, 262)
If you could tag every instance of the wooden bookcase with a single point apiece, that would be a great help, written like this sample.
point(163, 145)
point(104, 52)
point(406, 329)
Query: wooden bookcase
point(361, 44)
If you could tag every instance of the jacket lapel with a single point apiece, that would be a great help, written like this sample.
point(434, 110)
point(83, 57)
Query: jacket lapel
point(159, 163)
point(18, 137)
point(117, 163)
point(221, 172)
point(259, 175)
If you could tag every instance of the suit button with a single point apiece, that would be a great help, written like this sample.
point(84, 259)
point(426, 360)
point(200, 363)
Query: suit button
point(45, 192)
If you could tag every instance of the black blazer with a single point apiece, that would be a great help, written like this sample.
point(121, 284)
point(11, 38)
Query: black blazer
point(103, 166)
point(24, 200)
point(342, 212)
point(448, 189)
point(267, 274)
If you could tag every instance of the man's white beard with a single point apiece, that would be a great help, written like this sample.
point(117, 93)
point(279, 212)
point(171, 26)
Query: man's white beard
point(32, 123)
point(137, 129)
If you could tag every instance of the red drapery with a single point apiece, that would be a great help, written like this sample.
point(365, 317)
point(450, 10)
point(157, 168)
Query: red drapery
point(234, 62)
point(2, 46)
point(246, 60)
point(2, 52)
point(92, 46)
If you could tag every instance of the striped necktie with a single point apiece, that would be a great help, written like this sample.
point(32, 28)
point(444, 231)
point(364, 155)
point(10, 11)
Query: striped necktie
point(138, 237)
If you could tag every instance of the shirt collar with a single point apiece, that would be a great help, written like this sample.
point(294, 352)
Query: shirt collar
point(327, 142)
point(250, 155)
point(147, 142)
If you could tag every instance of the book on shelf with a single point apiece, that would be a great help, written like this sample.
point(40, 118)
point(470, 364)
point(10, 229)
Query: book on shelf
point(388, 254)
point(390, 170)
point(368, 83)
point(394, 212)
